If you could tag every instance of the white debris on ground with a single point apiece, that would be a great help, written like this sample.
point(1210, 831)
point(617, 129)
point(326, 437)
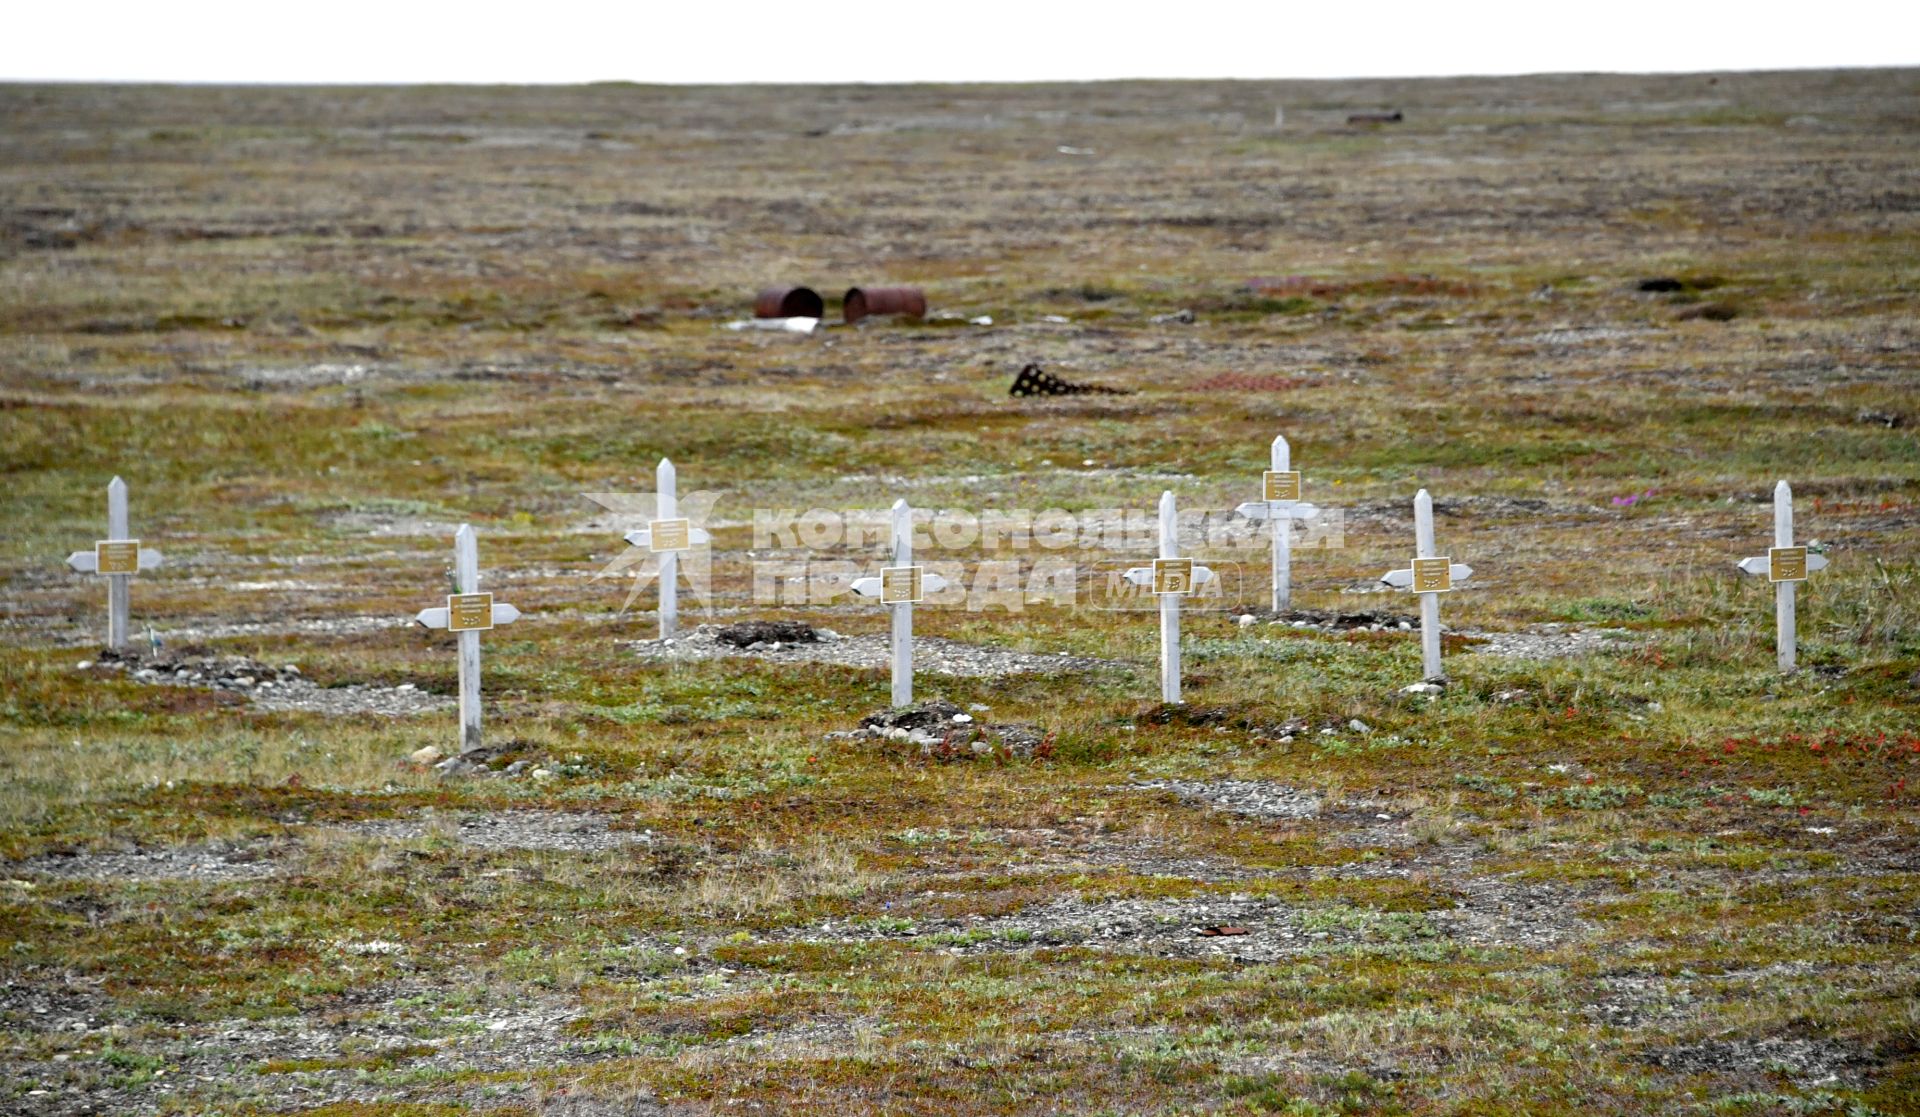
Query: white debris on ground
point(1249, 798)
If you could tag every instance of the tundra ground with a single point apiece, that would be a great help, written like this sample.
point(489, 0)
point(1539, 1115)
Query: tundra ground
point(1619, 865)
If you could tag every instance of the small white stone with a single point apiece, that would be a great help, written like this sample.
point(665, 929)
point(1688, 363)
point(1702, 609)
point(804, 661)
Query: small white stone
point(541, 774)
point(963, 718)
point(680, 951)
point(1087, 462)
point(1359, 726)
point(1384, 817)
point(1246, 619)
point(83, 665)
point(403, 687)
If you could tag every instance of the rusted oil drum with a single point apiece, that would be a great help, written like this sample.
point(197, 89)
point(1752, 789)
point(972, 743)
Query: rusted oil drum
point(863, 302)
point(789, 302)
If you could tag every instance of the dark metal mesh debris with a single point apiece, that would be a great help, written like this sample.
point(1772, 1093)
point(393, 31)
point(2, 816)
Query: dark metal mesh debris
point(748, 633)
point(1033, 381)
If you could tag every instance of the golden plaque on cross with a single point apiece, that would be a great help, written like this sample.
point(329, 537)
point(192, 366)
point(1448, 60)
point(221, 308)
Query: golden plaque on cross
point(1786, 564)
point(1280, 484)
point(1172, 575)
point(900, 585)
point(116, 556)
point(1432, 575)
point(669, 535)
point(469, 612)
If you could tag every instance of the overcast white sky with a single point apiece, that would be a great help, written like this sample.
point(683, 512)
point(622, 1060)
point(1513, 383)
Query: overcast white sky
point(928, 40)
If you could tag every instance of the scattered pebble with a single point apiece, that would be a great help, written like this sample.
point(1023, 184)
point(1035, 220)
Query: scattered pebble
point(270, 688)
point(930, 654)
point(1250, 798)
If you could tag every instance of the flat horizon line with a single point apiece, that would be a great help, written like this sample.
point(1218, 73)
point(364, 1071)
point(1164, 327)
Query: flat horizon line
point(406, 84)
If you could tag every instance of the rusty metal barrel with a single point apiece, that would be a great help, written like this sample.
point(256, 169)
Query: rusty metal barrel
point(864, 302)
point(789, 302)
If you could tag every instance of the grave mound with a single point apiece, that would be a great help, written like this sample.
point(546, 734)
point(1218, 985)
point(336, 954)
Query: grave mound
point(939, 730)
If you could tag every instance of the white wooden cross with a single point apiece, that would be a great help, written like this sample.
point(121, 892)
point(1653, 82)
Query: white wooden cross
point(666, 535)
point(1280, 503)
point(1784, 565)
point(898, 587)
point(1170, 578)
point(116, 558)
point(469, 613)
point(1429, 576)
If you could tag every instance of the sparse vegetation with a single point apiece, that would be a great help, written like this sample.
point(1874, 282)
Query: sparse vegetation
point(316, 328)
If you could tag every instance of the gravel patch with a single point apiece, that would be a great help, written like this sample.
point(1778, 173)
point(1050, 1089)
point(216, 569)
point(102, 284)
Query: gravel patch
point(1332, 620)
point(29, 631)
point(1552, 641)
point(930, 653)
point(1045, 850)
point(555, 831)
point(1587, 335)
point(939, 730)
point(319, 1058)
point(267, 687)
point(213, 861)
point(566, 831)
point(1237, 927)
point(1805, 1063)
point(1247, 798)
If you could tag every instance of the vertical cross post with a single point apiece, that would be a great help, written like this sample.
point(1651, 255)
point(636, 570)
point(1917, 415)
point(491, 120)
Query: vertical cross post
point(1429, 602)
point(1169, 605)
point(1784, 565)
point(1786, 637)
point(116, 558)
point(1429, 576)
point(466, 576)
point(898, 586)
point(1170, 578)
point(1280, 504)
point(1282, 536)
point(902, 637)
point(117, 584)
point(467, 614)
point(666, 486)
